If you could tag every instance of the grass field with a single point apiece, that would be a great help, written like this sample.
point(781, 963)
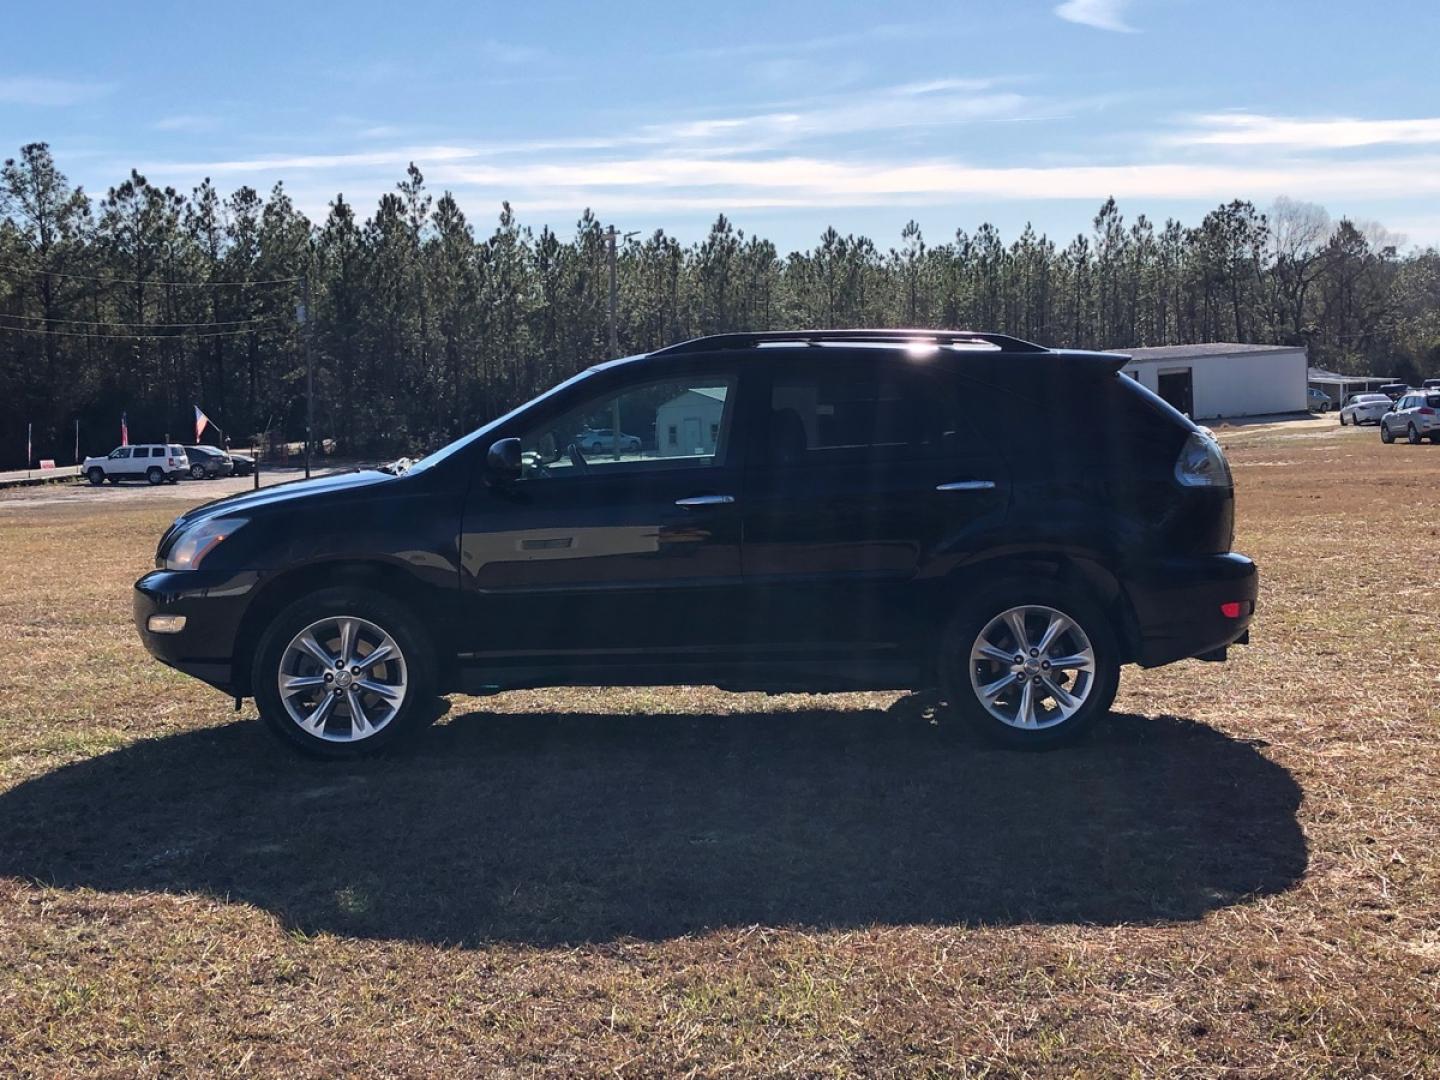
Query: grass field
point(1239, 874)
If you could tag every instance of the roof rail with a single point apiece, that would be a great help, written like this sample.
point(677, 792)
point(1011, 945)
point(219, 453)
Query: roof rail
point(717, 342)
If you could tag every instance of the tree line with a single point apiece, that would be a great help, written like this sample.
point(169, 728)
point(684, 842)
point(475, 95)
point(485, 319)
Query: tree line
point(149, 300)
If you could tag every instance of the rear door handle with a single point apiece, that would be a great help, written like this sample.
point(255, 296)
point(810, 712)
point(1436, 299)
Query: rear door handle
point(705, 500)
point(968, 485)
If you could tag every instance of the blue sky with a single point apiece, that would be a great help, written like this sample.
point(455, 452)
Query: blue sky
point(785, 116)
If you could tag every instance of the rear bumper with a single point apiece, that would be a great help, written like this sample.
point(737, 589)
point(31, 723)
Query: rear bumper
point(213, 606)
point(1178, 605)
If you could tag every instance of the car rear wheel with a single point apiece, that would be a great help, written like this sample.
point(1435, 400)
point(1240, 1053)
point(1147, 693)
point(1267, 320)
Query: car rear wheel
point(155, 475)
point(1411, 435)
point(95, 475)
point(344, 672)
point(197, 472)
point(1031, 666)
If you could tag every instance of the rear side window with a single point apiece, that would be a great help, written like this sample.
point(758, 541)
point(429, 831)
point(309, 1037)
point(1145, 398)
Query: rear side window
point(840, 410)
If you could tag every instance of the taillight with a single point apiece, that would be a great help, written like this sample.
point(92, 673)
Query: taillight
point(1231, 610)
point(1202, 463)
point(1427, 411)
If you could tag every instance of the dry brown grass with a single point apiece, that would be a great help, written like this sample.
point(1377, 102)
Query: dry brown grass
point(1238, 875)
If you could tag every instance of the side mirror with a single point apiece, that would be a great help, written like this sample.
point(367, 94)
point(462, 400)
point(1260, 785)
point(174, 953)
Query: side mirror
point(503, 460)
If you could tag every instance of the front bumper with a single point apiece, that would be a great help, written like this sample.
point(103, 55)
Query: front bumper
point(1178, 605)
point(213, 605)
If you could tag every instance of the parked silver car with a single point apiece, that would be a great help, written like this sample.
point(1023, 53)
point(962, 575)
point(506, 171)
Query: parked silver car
point(1416, 416)
point(1365, 409)
point(1318, 400)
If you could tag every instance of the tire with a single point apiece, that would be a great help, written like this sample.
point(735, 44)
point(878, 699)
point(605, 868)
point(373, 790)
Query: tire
point(1342, 419)
point(1386, 435)
point(95, 475)
point(197, 472)
point(155, 476)
point(375, 619)
point(1411, 435)
point(986, 618)
point(1324, 406)
point(1435, 438)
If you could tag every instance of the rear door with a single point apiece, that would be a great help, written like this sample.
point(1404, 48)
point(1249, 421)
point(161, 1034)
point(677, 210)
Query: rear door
point(612, 555)
point(865, 477)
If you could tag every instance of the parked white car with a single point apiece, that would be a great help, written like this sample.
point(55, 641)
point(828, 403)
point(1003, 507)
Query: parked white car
point(1365, 409)
point(602, 440)
point(154, 462)
point(1415, 416)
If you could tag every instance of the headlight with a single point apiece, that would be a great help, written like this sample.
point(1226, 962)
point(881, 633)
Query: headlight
point(192, 545)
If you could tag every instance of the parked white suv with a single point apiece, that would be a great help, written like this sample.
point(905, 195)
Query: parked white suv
point(1416, 416)
point(155, 462)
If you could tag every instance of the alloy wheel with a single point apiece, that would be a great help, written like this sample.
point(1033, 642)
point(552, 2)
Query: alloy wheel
point(1032, 667)
point(342, 679)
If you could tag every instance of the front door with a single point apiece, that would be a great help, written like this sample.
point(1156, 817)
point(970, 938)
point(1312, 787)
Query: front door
point(628, 557)
point(868, 473)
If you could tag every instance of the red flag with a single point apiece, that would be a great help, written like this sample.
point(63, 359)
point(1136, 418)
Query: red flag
point(200, 421)
point(124, 431)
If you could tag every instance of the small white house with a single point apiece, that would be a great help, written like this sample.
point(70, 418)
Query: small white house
point(689, 425)
point(1223, 379)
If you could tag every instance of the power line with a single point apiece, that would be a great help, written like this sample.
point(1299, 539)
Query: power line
point(152, 281)
point(135, 337)
point(138, 322)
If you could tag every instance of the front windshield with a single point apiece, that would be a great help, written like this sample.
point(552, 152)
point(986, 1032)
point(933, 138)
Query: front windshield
point(480, 432)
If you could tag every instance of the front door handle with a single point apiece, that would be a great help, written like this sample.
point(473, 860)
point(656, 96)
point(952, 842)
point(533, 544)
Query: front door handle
point(705, 500)
point(968, 485)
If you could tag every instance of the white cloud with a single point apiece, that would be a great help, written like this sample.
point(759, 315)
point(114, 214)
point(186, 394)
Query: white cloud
point(36, 90)
point(1101, 14)
point(1323, 133)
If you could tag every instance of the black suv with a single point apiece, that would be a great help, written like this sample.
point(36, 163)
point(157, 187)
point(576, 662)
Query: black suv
point(805, 511)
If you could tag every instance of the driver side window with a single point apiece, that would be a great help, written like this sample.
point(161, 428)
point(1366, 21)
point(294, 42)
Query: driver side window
point(673, 423)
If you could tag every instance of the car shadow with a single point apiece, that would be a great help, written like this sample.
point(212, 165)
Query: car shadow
point(573, 827)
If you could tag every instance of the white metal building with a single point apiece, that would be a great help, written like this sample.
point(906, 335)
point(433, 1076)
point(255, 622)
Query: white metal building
point(1223, 379)
point(690, 424)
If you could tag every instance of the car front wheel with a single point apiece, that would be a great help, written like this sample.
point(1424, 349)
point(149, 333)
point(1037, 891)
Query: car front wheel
point(1031, 666)
point(344, 672)
point(96, 476)
point(197, 472)
point(1386, 435)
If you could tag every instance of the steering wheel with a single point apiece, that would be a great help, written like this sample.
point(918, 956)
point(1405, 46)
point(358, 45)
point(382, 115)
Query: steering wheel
point(577, 459)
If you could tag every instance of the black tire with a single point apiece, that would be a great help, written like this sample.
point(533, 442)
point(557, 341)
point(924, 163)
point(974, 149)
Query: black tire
point(977, 613)
point(154, 475)
point(1411, 435)
point(1386, 435)
point(197, 472)
point(95, 475)
point(416, 709)
point(1342, 419)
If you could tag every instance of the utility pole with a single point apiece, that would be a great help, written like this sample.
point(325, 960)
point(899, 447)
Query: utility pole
point(304, 316)
point(615, 341)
